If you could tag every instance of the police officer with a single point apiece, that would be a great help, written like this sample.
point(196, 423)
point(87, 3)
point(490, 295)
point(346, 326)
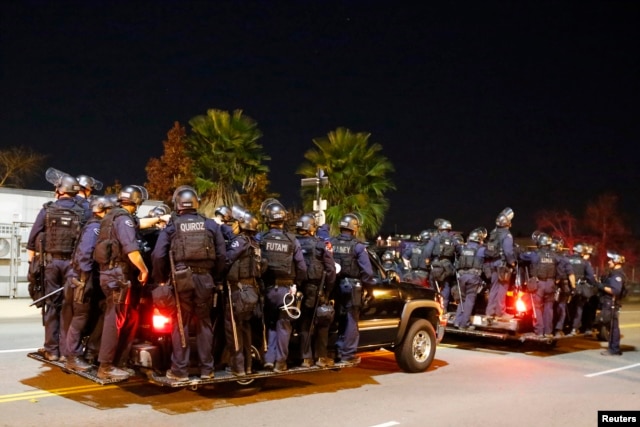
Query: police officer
point(390, 263)
point(122, 274)
point(244, 269)
point(355, 273)
point(87, 186)
point(82, 286)
point(191, 250)
point(439, 253)
point(321, 276)
point(585, 284)
point(612, 289)
point(54, 235)
point(224, 216)
point(501, 260)
point(414, 258)
point(285, 267)
point(543, 268)
point(564, 290)
point(469, 265)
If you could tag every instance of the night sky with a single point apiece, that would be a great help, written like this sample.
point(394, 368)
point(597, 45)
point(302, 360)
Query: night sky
point(479, 105)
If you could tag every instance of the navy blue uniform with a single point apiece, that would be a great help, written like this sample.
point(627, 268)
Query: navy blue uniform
point(614, 280)
point(585, 288)
point(84, 269)
point(324, 259)
point(470, 280)
point(355, 264)
point(245, 267)
point(198, 300)
point(120, 319)
point(544, 294)
point(56, 269)
point(501, 264)
point(278, 284)
point(442, 270)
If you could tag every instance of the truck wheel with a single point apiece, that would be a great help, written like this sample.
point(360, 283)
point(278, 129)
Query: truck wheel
point(418, 348)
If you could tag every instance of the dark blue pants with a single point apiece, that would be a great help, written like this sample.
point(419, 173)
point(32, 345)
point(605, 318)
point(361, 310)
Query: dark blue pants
point(469, 284)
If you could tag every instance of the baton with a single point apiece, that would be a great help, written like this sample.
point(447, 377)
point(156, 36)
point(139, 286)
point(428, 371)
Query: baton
point(60, 289)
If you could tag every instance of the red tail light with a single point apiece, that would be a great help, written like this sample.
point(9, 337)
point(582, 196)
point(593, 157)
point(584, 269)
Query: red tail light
point(521, 307)
point(161, 323)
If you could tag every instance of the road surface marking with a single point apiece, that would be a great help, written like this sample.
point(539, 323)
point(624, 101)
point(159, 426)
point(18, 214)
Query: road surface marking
point(19, 350)
point(612, 370)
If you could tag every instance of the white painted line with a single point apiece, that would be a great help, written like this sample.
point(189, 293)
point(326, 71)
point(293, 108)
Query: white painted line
point(612, 370)
point(19, 350)
point(387, 424)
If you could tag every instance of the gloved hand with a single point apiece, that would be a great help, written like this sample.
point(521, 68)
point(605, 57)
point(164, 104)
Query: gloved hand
point(600, 286)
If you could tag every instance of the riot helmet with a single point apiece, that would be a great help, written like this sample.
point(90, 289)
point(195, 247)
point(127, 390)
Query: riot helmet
point(249, 222)
point(350, 222)
point(544, 240)
point(535, 235)
point(159, 211)
point(424, 236)
point(615, 257)
point(307, 222)
point(442, 224)
point(101, 204)
point(68, 185)
point(131, 194)
point(185, 198)
point(580, 249)
point(224, 213)
point(477, 235)
point(275, 213)
point(388, 256)
point(504, 218)
point(143, 192)
point(557, 244)
point(89, 183)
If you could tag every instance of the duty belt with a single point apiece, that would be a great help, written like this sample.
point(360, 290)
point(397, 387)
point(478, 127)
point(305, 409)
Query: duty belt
point(197, 270)
point(474, 271)
point(63, 257)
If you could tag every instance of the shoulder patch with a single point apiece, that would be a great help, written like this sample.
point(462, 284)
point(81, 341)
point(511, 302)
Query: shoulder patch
point(129, 223)
point(618, 279)
point(235, 244)
point(96, 231)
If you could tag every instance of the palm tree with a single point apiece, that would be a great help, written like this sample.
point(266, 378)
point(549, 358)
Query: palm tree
point(227, 156)
point(358, 177)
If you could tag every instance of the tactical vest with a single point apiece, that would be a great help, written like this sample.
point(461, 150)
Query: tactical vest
point(247, 266)
point(278, 249)
point(493, 247)
point(62, 228)
point(546, 267)
point(108, 248)
point(578, 264)
point(416, 260)
point(468, 258)
point(445, 247)
point(344, 253)
point(315, 268)
point(193, 244)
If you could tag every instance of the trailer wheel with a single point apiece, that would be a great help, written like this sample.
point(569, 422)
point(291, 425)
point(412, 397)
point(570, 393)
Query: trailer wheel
point(418, 348)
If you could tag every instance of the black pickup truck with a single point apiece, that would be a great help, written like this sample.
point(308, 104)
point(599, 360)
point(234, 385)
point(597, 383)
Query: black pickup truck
point(401, 317)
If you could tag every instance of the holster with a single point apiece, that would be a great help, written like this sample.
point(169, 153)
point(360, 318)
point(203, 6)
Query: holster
point(78, 291)
point(121, 294)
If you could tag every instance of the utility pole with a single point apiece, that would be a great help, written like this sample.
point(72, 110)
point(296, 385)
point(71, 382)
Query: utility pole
point(319, 205)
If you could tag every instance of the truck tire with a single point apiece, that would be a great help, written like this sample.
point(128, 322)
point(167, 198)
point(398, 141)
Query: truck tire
point(418, 348)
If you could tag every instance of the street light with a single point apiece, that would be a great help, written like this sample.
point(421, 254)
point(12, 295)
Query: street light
point(319, 205)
